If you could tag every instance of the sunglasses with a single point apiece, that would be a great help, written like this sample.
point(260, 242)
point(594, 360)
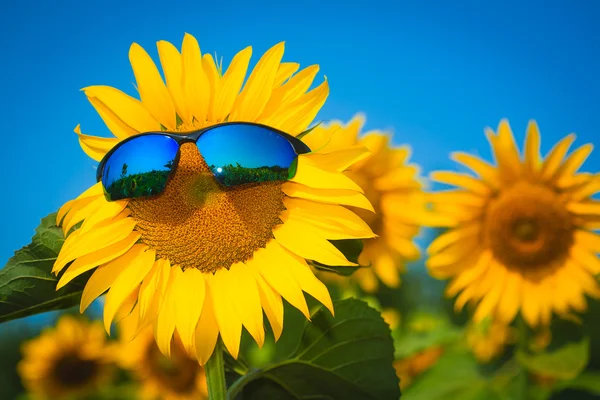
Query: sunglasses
point(237, 153)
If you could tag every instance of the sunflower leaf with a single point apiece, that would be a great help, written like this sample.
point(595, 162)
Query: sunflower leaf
point(351, 249)
point(346, 357)
point(27, 286)
point(565, 363)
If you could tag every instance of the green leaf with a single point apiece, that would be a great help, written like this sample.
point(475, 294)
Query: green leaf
point(351, 248)
point(27, 286)
point(588, 381)
point(346, 357)
point(564, 363)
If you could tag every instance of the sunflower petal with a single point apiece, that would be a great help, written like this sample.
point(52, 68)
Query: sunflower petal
point(153, 92)
point(461, 180)
point(189, 292)
point(164, 327)
point(243, 292)
point(299, 114)
point(532, 148)
point(286, 69)
point(172, 67)
point(339, 160)
point(207, 331)
point(129, 279)
point(486, 171)
point(195, 82)
point(555, 157)
point(228, 320)
point(95, 147)
point(271, 303)
point(328, 196)
point(231, 83)
point(257, 91)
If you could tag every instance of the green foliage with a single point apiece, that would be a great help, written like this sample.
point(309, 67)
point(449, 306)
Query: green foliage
point(346, 357)
point(565, 363)
point(27, 286)
point(232, 175)
point(138, 185)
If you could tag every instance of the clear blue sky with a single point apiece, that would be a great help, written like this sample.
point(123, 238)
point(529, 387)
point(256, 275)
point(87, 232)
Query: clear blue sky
point(437, 72)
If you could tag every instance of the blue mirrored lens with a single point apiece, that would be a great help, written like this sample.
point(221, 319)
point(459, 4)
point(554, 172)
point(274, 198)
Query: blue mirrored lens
point(139, 167)
point(239, 154)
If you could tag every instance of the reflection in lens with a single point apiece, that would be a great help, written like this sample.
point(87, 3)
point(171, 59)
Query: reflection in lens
point(239, 154)
point(139, 167)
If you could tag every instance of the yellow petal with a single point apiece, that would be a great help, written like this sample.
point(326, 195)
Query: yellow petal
point(231, 83)
point(451, 237)
point(80, 211)
point(103, 236)
point(268, 264)
point(336, 219)
point(339, 160)
point(257, 91)
point(506, 151)
point(164, 327)
point(122, 111)
point(531, 303)
point(385, 268)
point(510, 301)
point(490, 299)
point(461, 180)
point(92, 260)
point(129, 279)
point(195, 83)
point(172, 67)
point(573, 162)
point(228, 320)
point(207, 331)
point(328, 196)
point(308, 242)
point(286, 69)
point(210, 69)
point(458, 197)
point(307, 280)
point(150, 285)
point(127, 306)
point(104, 276)
point(189, 295)
point(469, 275)
point(95, 147)
point(486, 171)
point(532, 148)
point(295, 118)
point(243, 292)
point(108, 210)
point(588, 208)
point(271, 303)
point(153, 91)
point(292, 90)
point(311, 175)
point(585, 256)
point(555, 157)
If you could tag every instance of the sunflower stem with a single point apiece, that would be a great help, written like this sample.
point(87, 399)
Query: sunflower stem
point(523, 388)
point(215, 374)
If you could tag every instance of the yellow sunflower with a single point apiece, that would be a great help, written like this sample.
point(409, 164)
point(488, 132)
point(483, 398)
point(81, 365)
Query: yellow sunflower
point(488, 339)
point(203, 267)
point(71, 359)
point(413, 366)
point(393, 186)
point(520, 236)
point(179, 377)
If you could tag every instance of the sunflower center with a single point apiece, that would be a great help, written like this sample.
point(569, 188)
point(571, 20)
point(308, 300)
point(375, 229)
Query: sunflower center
point(196, 223)
point(73, 371)
point(528, 227)
point(177, 373)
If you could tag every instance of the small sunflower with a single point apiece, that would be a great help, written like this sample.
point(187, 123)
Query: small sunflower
point(393, 186)
point(179, 377)
point(203, 267)
point(71, 359)
point(520, 236)
point(488, 339)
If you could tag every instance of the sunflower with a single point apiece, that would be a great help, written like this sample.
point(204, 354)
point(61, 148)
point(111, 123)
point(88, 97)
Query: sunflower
point(520, 235)
point(415, 365)
point(393, 186)
point(179, 377)
point(71, 359)
point(207, 267)
point(488, 339)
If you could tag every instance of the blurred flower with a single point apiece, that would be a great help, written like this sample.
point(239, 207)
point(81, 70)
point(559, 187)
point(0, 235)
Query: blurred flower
point(488, 339)
point(520, 236)
point(413, 366)
point(71, 359)
point(392, 317)
point(179, 377)
point(198, 260)
point(393, 186)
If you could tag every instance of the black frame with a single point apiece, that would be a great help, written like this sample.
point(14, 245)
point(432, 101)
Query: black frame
point(191, 137)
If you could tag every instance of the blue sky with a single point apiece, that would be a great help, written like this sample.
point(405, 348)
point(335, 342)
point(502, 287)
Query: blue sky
point(436, 72)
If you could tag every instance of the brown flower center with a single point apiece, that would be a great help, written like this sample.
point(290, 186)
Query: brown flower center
point(72, 371)
point(528, 227)
point(196, 223)
point(177, 373)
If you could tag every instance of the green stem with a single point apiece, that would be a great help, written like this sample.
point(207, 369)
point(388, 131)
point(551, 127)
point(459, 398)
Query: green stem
point(215, 374)
point(241, 383)
point(523, 391)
